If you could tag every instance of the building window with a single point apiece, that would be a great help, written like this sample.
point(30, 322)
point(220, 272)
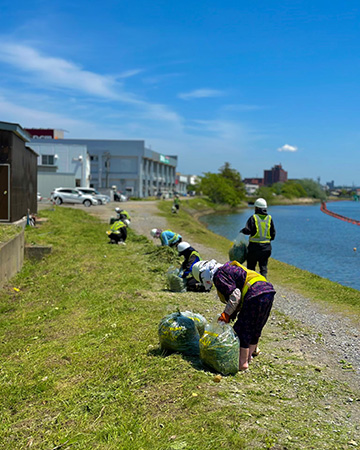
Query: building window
point(94, 158)
point(47, 160)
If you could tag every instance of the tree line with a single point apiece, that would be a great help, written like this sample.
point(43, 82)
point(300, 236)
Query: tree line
point(227, 187)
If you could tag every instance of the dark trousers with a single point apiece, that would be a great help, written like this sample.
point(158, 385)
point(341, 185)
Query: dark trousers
point(258, 253)
point(119, 237)
point(194, 286)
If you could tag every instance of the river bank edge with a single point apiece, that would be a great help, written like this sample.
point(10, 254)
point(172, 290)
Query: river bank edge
point(341, 299)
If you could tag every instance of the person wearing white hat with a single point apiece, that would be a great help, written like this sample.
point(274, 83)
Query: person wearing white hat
point(191, 257)
point(248, 298)
point(261, 229)
point(166, 237)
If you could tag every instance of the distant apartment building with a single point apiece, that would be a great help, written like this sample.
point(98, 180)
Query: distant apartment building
point(276, 175)
point(129, 165)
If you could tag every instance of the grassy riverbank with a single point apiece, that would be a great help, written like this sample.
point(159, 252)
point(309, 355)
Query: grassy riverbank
point(341, 298)
point(81, 366)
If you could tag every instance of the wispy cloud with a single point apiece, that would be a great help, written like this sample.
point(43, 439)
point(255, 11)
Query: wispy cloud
point(129, 73)
point(287, 148)
point(200, 93)
point(63, 74)
point(57, 71)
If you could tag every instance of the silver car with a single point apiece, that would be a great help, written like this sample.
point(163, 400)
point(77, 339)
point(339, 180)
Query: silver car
point(72, 195)
point(101, 198)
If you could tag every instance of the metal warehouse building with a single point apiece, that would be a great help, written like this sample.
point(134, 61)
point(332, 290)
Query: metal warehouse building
point(133, 168)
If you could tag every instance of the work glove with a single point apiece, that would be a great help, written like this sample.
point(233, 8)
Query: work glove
point(224, 318)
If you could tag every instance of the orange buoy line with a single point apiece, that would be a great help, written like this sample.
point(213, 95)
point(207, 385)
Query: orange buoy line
point(324, 209)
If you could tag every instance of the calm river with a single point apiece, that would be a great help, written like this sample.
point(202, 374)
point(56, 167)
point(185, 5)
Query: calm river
point(307, 238)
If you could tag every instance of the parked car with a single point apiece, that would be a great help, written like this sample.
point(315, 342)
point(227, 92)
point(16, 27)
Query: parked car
point(72, 195)
point(101, 198)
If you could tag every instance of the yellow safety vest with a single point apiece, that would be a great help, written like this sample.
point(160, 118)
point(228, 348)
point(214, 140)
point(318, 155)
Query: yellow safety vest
point(262, 235)
point(251, 278)
point(115, 227)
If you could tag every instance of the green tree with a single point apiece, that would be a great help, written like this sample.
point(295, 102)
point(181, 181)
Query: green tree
point(223, 187)
point(313, 189)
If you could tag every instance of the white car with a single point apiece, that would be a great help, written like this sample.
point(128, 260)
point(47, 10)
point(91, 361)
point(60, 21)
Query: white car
point(101, 198)
point(72, 195)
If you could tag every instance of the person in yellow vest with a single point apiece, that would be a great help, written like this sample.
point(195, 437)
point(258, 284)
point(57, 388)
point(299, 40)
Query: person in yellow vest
point(248, 298)
point(117, 233)
point(261, 229)
point(191, 257)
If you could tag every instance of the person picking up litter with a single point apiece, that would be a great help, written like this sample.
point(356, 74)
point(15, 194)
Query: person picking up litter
point(122, 214)
point(191, 257)
point(248, 298)
point(166, 237)
point(117, 233)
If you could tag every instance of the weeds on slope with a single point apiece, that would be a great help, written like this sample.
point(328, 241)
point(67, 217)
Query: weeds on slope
point(81, 366)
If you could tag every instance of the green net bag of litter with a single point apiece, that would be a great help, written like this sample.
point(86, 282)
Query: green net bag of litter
point(219, 348)
point(198, 319)
point(179, 334)
point(238, 251)
point(174, 282)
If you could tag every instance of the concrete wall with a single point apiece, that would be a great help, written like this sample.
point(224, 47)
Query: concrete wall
point(11, 257)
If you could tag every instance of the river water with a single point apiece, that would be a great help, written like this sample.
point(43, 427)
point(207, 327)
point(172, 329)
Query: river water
point(307, 238)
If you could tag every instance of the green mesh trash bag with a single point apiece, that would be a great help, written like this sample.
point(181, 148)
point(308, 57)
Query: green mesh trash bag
point(179, 334)
point(219, 348)
point(174, 282)
point(238, 251)
point(198, 319)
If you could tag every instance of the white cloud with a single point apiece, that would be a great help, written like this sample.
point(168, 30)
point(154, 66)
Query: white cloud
point(287, 148)
point(201, 93)
point(57, 72)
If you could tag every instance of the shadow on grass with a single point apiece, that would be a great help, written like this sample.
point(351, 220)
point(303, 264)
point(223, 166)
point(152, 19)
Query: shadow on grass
point(194, 360)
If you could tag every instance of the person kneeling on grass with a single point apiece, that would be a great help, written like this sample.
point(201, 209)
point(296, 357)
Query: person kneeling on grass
point(117, 233)
point(191, 257)
point(248, 298)
point(166, 237)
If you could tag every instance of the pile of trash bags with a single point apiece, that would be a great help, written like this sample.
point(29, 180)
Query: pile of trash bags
point(174, 282)
point(189, 333)
point(238, 251)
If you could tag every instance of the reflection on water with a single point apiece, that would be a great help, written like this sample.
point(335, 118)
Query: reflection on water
point(307, 238)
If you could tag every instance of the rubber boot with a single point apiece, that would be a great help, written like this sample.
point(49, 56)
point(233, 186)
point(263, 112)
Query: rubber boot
point(244, 359)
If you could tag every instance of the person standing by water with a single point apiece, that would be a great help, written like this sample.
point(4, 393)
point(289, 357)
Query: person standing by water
point(261, 229)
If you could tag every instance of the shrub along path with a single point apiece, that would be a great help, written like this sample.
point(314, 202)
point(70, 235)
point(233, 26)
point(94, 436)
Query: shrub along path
point(81, 366)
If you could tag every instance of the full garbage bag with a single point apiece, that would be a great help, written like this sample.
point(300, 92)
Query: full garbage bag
point(178, 333)
point(238, 252)
point(174, 282)
point(219, 348)
point(198, 319)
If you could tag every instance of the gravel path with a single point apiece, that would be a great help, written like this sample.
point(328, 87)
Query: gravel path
point(333, 338)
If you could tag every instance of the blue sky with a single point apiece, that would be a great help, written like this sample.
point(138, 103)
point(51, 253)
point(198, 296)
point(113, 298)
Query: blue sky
point(253, 83)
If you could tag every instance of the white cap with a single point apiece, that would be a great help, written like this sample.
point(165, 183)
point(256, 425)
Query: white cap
point(154, 232)
point(261, 203)
point(196, 269)
point(183, 246)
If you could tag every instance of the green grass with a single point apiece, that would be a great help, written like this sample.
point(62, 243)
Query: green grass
point(7, 232)
point(338, 297)
point(81, 366)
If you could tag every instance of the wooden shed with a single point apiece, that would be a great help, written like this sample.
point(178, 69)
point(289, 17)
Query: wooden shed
point(18, 174)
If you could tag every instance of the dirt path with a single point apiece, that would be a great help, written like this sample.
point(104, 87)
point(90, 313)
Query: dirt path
point(327, 338)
